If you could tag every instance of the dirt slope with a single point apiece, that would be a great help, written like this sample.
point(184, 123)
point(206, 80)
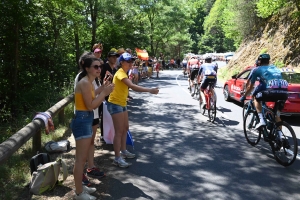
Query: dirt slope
point(279, 36)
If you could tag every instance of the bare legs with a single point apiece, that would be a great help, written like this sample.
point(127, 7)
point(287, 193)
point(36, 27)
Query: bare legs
point(92, 148)
point(121, 126)
point(80, 159)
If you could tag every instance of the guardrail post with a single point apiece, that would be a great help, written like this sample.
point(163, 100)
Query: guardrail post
point(61, 116)
point(37, 142)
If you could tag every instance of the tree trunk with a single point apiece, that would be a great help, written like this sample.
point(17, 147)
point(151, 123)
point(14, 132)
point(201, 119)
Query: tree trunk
point(14, 73)
point(77, 53)
point(94, 14)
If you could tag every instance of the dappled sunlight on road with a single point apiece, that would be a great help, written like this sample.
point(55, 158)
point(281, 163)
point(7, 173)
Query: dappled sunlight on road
point(182, 156)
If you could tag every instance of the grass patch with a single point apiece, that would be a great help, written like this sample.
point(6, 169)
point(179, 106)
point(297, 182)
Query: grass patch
point(225, 73)
point(279, 64)
point(15, 172)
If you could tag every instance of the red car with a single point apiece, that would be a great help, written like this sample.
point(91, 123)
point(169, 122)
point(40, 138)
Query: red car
point(233, 87)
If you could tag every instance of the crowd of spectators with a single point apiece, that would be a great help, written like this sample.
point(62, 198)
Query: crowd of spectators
point(98, 83)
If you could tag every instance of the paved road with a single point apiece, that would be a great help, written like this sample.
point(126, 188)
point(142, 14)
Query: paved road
point(182, 156)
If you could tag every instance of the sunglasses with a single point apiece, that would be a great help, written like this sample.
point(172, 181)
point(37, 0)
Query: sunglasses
point(97, 67)
point(129, 61)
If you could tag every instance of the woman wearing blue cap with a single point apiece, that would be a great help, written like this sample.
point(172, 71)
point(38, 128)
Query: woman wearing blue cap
point(116, 106)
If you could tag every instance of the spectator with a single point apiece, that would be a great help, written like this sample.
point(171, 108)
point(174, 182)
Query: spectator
point(120, 52)
point(178, 62)
point(116, 106)
point(85, 102)
point(135, 72)
point(184, 64)
point(92, 170)
point(160, 61)
point(98, 53)
point(150, 67)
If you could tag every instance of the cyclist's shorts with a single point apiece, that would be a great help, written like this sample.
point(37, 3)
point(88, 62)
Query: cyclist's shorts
point(272, 95)
point(207, 80)
point(194, 73)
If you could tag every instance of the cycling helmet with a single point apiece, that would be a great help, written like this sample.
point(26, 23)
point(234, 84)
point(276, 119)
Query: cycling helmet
point(264, 56)
point(208, 59)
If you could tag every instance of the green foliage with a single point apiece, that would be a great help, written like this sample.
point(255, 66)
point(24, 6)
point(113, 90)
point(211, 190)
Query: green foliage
point(239, 19)
point(265, 50)
point(214, 39)
point(279, 63)
point(15, 172)
point(267, 8)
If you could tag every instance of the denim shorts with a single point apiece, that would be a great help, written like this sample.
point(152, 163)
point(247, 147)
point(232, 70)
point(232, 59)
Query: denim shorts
point(81, 125)
point(114, 108)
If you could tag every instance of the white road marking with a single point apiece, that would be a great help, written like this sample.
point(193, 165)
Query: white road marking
point(181, 86)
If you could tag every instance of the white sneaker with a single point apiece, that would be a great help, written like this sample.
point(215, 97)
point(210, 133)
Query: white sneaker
point(89, 190)
point(260, 124)
point(127, 154)
point(84, 196)
point(121, 163)
point(280, 134)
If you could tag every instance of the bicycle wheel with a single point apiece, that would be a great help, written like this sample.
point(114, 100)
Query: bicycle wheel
point(287, 153)
point(201, 104)
point(245, 107)
point(212, 110)
point(252, 135)
point(197, 91)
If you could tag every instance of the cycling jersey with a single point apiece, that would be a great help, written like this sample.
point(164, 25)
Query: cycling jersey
point(193, 63)
point(269, 77)
point(208, 69)
point(271, 85)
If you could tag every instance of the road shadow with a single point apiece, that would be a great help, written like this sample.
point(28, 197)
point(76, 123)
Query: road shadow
point(181, 156)
point(126, 191)
point(176, 150)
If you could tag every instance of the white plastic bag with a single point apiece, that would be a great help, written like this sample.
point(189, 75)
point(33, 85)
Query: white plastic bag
point(60, 146)
point(108, 126)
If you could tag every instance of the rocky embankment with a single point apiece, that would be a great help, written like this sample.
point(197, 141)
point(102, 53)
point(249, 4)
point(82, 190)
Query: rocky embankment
point(279, 36)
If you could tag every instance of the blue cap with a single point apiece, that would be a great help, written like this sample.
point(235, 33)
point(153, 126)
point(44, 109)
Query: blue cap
point(126, 57)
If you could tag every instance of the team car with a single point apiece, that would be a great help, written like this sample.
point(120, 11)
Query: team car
point(232, 90)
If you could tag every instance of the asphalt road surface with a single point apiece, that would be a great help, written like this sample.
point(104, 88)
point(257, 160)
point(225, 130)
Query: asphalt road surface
point(180, 155)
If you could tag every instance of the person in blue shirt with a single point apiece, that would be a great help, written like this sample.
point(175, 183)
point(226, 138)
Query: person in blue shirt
point(271, 86)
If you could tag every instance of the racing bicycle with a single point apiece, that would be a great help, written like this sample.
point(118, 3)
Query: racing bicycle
point(196, 89)
point(211, 101)
point(285, 147)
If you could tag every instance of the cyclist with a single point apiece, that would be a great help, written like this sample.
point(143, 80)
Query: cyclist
point(206, 74)
point(271, 86)
point(193, 68)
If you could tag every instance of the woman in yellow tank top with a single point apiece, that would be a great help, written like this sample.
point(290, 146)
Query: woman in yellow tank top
point(116, 106)
point(85, 102)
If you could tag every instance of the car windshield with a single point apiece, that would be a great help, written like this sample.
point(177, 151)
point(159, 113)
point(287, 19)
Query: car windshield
point(291, 77)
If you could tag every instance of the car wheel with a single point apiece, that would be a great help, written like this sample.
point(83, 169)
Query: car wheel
point(226, 93)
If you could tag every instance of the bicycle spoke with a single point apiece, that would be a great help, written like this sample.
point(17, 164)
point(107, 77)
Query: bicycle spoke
point(212, 110)
point(287, 146)
point(252, 135)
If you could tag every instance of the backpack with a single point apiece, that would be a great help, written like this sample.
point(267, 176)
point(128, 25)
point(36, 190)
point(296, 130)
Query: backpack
point(46, 176)
point(60, 146)
point(37, 160)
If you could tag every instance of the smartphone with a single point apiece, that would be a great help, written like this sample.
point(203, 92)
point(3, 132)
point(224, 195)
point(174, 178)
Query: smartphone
point(107, 77)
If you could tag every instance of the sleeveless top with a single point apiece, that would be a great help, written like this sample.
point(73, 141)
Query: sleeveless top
point(79, 103)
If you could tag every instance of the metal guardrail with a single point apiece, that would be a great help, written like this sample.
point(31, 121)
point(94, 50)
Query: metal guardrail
point(33, 129)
